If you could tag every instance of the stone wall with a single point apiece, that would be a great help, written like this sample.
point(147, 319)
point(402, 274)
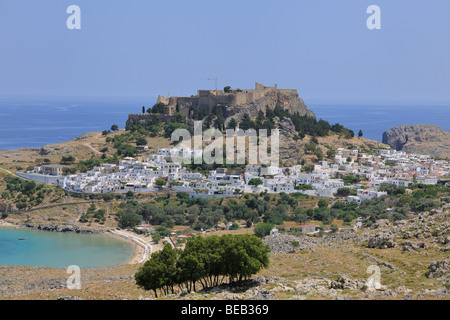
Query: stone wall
point(238, 102)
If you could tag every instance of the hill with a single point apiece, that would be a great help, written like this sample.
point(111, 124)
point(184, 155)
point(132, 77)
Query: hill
point(427, 139)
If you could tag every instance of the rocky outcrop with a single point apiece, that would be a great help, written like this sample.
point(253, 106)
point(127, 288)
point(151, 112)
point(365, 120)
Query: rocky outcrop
point(410, 246)
point(287, 128)
point(382, 223)
point(345, 283)
point(438, 268)
point(420, 138)
point(69, 298)
point(7, 206)
point(289, 244)
point(382, 240)
point(287, 100)
point(66, 228)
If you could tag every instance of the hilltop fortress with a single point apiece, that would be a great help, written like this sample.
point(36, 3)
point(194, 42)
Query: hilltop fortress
point(211, 98)
point(236, 103)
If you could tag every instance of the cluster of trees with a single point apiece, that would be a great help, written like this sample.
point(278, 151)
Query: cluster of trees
point(94, 214)
point(207, 213)
point(86, 165)
point(168, 211)
point(168, 214)
point(156, 126)
point(312, 148)
point(351, 179)
point(122, 142)
point(423, 198)
point(27, 194)
point(215, 117)
point(204, 262)
point(308, 125)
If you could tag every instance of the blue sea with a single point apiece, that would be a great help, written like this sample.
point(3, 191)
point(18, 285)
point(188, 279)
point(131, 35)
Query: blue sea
point(35, 122)
point(60, 250)
point(373, 120)
point(28, 122)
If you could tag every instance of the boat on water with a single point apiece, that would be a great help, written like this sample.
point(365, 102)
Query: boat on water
point(22, 238)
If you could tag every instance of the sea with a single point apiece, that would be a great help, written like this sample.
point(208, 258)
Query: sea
point(373, 120)
point(61, 250)
point(36, 122)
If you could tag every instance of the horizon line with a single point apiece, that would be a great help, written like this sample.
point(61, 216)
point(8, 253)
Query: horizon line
point(312, 102)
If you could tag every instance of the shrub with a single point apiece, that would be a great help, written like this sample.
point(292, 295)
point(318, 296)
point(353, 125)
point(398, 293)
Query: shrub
point(262, 229)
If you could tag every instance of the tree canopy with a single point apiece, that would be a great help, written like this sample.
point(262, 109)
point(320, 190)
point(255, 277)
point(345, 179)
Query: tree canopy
point(204, 261)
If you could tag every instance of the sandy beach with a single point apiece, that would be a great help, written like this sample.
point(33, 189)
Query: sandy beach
point(138, 242)
point(6, 224)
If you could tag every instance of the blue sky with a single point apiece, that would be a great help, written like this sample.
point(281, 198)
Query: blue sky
point(142, 48)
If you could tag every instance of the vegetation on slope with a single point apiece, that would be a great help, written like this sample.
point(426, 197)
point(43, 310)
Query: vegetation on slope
point(204, 261)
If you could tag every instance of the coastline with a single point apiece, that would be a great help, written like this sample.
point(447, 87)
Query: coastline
point(138, 250)
point(8, 224)
point(142, 246)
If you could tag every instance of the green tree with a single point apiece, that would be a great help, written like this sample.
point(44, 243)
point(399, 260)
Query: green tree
point(141, 141)
point(227, 89)
point(234, 226)
point(255, 182)
point(158, 272)
point(161, 182)
point(323, 203)
point(318, 153)
point(343, 192)
point(262, 229)
point(159, 108)
point(310, 147)
point(156, 237)
point(334, 228)
point(331, 153)
point(360, 133)
point(206, 261)
point(129, 220)
point(232, 124)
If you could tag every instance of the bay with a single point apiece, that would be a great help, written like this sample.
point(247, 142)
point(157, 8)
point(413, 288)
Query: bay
point(60, 250)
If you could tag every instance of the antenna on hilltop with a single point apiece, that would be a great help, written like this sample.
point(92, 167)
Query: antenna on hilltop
point(215, 79)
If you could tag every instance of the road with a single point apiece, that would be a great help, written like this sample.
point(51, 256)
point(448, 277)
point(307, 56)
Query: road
point(13, 174)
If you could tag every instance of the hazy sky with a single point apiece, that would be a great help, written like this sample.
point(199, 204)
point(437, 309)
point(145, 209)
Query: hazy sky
point(143, 48)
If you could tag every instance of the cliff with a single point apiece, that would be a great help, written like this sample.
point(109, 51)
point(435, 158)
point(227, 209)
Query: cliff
point(285, 99)
point(235, 103)
point(420, 138)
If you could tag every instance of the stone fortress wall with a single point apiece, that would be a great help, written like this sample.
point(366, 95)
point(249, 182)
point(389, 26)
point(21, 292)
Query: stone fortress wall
point(209, 99)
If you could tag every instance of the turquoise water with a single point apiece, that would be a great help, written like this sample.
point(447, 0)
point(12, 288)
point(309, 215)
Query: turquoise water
point(60, 250)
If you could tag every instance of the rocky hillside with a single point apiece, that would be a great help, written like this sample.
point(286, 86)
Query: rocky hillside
point(412, 257)
point(278, 98)
point(419, 138)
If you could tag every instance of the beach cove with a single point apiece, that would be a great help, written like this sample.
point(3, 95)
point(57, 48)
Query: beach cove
point(62, 249)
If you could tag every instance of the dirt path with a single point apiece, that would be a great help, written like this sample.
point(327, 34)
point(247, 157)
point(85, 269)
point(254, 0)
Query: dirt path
point(13, 174)
point(91, 147)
